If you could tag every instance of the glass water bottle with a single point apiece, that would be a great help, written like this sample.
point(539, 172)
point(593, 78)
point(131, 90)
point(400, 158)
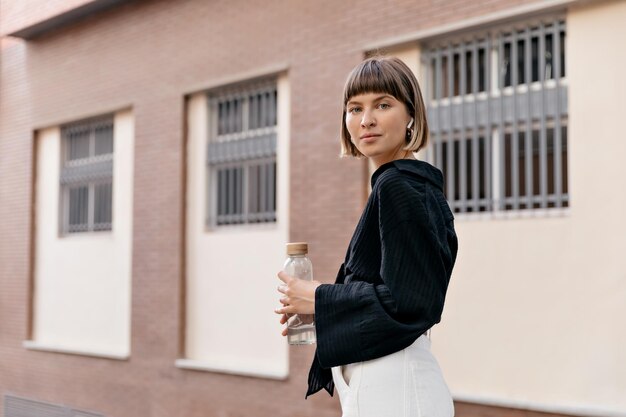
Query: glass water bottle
point(300, 327)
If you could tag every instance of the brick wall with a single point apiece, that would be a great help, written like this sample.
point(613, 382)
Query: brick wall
point(148, 55)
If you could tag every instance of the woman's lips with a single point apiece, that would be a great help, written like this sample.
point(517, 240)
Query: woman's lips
point(369, 139)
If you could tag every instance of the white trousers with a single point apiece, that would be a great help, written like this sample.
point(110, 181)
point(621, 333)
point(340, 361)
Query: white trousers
point(407, 383)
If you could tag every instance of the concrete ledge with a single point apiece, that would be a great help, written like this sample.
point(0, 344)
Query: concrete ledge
point(586, 410)
point(214, 367)
point(33, 345)
point(68, 17)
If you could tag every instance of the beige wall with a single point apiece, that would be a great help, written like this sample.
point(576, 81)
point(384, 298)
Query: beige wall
point(82, 281)
point(534, 315)
point(231, 271)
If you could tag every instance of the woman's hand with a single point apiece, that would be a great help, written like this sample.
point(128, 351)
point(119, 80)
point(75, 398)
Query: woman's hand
point(299, 296)
point(283, 320)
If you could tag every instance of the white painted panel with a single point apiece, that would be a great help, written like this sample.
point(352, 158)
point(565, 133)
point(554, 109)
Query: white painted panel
point(83, 281)
point(231, 272)
point(534, 314)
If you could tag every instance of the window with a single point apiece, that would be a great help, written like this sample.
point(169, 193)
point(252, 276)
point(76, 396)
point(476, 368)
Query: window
point(87, 176)
point(242, 155)
point(497, 108)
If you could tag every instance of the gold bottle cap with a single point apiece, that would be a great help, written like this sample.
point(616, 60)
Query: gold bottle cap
point(297, 248)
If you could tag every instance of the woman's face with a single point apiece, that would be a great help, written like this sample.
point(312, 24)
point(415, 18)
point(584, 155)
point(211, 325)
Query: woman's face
point(377, 124)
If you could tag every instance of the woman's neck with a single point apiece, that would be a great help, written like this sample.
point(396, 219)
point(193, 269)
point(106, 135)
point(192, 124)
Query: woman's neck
point(407, 155)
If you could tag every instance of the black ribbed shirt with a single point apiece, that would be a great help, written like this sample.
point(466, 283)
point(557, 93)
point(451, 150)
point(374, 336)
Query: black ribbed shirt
point(392, 284)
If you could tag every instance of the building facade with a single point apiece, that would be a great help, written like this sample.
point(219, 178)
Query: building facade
point(156, 156)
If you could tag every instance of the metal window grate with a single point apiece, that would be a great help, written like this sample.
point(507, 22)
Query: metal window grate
point(494, 99)
point(241, 155)
point(87, 176)
point(22, 407)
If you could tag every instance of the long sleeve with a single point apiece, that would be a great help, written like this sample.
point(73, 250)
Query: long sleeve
point(359, 320)
point(322, 377)
point(392, 284)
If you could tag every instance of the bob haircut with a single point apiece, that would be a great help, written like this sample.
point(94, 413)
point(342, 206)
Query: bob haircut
point(386, 75)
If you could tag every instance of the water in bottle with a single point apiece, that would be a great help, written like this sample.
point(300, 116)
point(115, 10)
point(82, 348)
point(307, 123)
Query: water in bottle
point(300, 327)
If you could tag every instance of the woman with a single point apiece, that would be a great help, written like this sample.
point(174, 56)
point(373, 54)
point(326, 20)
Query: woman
point(390, 290)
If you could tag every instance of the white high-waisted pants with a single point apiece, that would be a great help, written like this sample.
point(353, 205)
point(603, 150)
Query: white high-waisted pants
point(407, 383)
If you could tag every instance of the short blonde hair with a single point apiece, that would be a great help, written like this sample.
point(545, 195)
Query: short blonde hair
point(386, 75)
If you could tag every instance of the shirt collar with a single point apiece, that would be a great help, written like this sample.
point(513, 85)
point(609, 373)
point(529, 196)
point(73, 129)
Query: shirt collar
point(414, 166)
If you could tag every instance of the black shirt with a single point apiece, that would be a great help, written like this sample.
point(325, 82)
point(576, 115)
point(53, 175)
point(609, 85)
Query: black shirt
point(392, 284)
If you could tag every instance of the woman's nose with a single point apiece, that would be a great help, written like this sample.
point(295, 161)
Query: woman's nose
point(367, 120)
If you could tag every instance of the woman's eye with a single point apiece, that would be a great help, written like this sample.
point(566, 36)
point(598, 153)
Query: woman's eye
point(384, 105)
point(354, 109)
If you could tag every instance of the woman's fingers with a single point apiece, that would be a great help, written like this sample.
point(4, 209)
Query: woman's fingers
point(288, 309)
point(280, 310)
point(284, 318)
point(284, 277)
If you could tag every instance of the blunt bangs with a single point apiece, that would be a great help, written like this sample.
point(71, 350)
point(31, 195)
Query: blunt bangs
point(371, 77)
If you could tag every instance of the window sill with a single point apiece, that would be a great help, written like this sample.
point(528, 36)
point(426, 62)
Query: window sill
point(33, 345)
point(91, 235)
point(514, 214)
point(238, 228)
point(196, 365)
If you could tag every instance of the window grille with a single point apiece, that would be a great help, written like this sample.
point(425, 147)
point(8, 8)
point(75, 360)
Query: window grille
point(241, 155)
point(22, 407)
point(87, 176)
point(497, 109)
